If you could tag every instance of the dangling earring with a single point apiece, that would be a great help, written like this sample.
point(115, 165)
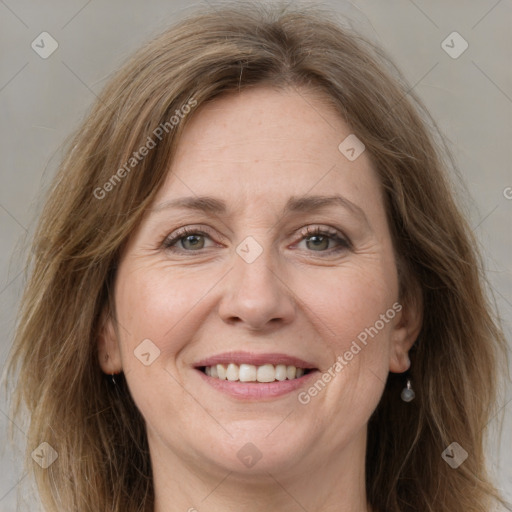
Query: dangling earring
point(112, 378)
point(408, 393)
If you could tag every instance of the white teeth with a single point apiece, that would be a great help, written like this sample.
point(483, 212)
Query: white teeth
point(291, 371)
point(266, 373)
point(247, 373)
point(221, 371)
point(281, 372)
point(232, 372)
point(252, 373)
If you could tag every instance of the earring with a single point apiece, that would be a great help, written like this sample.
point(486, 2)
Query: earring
point(112, 378)
point(408, 393)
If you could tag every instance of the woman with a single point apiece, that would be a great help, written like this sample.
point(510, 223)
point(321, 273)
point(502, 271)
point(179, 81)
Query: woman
point(324, 343)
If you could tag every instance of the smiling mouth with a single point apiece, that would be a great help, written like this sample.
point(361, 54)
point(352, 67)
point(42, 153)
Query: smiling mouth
point(251, 373)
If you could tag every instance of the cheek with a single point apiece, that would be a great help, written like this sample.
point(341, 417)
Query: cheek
point(351, 300)
point(356, 310)
point(151, 304)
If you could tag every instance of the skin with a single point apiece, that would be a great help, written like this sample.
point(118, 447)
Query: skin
point(254, 150)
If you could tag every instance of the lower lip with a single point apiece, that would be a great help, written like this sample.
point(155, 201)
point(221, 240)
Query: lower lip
point(257, 390)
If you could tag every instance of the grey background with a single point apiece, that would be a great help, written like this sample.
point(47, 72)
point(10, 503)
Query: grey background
point(43, 100)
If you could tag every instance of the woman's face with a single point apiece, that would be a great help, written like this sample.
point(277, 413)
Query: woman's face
point(251, 285)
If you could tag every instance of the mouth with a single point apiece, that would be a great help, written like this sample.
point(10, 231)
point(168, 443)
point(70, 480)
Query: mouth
point(255, 376)
point(246, 372)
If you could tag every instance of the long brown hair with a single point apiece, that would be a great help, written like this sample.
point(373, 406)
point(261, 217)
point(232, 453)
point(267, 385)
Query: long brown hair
point(96, 429)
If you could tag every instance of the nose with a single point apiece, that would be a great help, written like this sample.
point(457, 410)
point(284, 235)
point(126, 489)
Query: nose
point(257, 295)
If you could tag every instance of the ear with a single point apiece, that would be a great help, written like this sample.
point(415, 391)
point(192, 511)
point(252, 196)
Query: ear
point(108, 344)
point(406, 329)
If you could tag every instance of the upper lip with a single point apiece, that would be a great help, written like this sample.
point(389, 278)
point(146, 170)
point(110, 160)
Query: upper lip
point(255, 359)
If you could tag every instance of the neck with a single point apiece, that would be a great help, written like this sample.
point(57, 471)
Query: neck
point(327, 482)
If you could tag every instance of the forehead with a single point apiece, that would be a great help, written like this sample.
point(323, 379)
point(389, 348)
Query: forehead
point(267, 145)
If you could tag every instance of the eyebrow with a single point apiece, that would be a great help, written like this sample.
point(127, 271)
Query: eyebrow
point(295, 204)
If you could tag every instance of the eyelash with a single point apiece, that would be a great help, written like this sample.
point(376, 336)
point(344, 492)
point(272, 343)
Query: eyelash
point(333, 234)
